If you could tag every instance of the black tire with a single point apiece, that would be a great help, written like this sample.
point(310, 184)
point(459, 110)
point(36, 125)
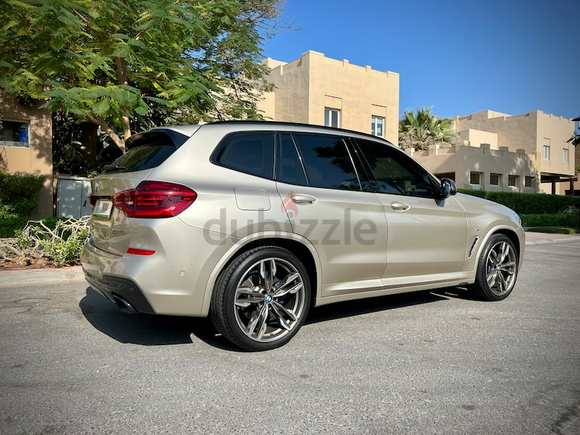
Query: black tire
point(497, 269)
point(261, 299)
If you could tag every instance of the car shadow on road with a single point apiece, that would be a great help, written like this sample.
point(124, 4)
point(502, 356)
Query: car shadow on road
point(156, 330)
point(147, 329)
point(382, 303)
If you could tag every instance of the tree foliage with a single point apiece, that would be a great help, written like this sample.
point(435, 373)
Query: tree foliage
point(119, 63)
point(421, 128)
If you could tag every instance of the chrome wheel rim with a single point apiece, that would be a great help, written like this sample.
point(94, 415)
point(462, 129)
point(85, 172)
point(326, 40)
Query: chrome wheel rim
point(501, 268)
point(269, 300)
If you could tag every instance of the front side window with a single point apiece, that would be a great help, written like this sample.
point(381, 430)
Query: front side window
point(14, 134)
point(327, 162)
point(331, 117)
point(251, 153)
point(395, 172)
point(546, 152)
point(377, 126)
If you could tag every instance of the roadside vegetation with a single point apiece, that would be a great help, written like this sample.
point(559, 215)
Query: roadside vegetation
point(539, 212)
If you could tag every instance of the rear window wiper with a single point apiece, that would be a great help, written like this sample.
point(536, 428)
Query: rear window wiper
point(114, 168)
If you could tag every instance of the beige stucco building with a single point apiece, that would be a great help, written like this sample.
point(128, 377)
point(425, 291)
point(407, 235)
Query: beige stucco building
point(499, 152)
point(26, 145)
point(315, 89)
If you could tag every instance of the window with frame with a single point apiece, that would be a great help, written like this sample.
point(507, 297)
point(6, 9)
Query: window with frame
point(565, 155)
point(546, 152)
point(14, 133)
point(513, 180)
point(475, 178)
point(327, 162)
point(395, 172)
point(528, 181)
point(331, 117)
point(378, 126)
point(248, 152)
point(494, 179)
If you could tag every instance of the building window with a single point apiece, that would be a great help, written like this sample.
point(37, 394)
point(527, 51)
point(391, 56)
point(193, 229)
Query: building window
point(513, 180)
point(546, 152)
point(494, 179)
point(565, 155)
point(14, 133)
point(378, 126)
point(331, 117)
point(528, 181)
point(475, 179)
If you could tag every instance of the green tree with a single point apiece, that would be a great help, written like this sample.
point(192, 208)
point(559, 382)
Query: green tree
point(421, 128)
point(123, 63)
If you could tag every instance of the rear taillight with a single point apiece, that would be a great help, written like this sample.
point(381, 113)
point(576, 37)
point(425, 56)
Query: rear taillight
point(154, 199)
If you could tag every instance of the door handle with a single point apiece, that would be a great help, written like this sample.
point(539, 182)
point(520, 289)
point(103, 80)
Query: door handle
point(400, 206)
point(303, 199)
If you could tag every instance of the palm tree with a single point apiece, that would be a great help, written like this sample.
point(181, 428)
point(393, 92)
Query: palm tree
point(420, 129)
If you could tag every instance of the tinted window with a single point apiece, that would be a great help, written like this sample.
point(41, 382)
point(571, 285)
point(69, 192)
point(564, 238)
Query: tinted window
point(395, 172)
point(252, 153)
point(327, 162)
point(146, 151)
point(289, 166)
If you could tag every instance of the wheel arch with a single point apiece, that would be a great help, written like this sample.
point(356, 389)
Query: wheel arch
point(302, 249)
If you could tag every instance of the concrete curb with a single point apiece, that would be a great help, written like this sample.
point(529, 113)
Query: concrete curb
point(22, 277)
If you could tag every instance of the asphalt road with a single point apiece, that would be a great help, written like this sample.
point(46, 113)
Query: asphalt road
point(429, 362)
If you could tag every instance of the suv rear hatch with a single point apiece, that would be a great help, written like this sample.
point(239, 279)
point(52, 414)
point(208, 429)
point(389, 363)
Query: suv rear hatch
point(116, 191)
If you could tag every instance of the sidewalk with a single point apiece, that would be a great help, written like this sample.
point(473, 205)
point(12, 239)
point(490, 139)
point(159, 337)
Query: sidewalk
point(23, 277)
point(541, 238)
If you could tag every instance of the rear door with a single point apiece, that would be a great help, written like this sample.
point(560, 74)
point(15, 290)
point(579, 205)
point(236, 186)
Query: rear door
point(321, 192)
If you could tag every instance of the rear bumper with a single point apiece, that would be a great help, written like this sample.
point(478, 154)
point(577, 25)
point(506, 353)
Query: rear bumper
point(123, 292)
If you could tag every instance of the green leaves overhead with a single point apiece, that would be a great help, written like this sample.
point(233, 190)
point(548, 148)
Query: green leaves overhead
point(114, 61)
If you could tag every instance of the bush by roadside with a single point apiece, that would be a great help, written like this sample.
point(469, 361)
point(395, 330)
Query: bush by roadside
point(528, 203)
point(40, 243)
point(18, 201)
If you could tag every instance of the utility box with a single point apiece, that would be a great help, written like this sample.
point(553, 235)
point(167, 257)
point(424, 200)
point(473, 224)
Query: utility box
point(73, 197)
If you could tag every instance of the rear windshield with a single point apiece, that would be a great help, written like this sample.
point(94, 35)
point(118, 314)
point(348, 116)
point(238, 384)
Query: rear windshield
point(146, 151)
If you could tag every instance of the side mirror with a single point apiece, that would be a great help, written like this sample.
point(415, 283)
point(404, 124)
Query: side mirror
point(448, 188)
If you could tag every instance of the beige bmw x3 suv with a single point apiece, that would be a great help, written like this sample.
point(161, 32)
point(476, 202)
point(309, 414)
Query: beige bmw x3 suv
point(252, 223)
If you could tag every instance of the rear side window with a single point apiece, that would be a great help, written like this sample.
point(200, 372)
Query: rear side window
point(251, 153)
point(146, 151)
point(327, 162)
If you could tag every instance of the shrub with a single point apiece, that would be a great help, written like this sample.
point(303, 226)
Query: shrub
point(58, 240)
point(19, 194)
point(528, 203)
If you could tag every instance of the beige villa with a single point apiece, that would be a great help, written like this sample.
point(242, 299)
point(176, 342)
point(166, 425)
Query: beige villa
point(499, 152)
point(319, 90)
point(26, 145)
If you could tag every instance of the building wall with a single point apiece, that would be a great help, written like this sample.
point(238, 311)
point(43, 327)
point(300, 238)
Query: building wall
point(528, 132)
point(462, 160)
point(306, 86)
point(37, 157)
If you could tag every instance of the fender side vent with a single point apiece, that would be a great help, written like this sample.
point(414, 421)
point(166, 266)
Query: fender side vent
point(473, 246)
